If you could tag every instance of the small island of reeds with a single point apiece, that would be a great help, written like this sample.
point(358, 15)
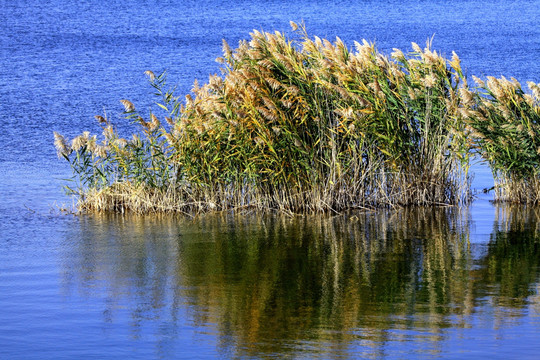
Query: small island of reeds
point(309, 125)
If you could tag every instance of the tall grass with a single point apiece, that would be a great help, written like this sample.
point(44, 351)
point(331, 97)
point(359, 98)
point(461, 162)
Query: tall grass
point(505, 123)
point(303, 125)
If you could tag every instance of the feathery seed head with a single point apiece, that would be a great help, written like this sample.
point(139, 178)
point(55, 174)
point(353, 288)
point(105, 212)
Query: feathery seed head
point(431, 58)
point(293, 90)
point(226, 49)
point(143, 123)
point(429, 81)
point(108, 132)
point(382, 61)
point(318, 42)
point(61, 145)
point(217, 115)
point(100, 119)
point(491, 81)
point(514, 83)
point(466, 96)
point(170, 138)
point(294, 26)
point(215, 82)
point(78, 142)
point(397, 54)
point(267, 114)
point(455, 63)
point(416, 48)
point(154, 122)
point(274, 84)
point(529, 99)
point(287, 103)
point(465, 113)
point(121, 143)
point(128, 106)
point(376, 88)
point(150, 75)
point(135, 140)
point(92, 143)
point(101, 151)
point(195, 87)
point(479, 81)
point(535, 88)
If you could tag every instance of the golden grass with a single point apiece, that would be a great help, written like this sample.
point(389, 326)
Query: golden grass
point(300, 126)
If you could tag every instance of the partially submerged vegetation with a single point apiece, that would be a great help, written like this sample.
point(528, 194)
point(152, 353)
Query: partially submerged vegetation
point(506, 132)
point(300, 126)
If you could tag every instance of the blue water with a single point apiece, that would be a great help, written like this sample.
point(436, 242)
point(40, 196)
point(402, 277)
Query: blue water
point(71, 287)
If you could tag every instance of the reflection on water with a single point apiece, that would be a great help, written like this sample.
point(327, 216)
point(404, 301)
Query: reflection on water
point(364, 284)
point(513, 260)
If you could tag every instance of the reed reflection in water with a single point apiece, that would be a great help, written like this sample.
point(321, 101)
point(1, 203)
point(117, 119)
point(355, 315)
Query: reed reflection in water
point(365, 284)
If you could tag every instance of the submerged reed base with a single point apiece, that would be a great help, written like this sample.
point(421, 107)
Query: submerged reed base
point(300, 125)
point(519, 190)
point(127, 197)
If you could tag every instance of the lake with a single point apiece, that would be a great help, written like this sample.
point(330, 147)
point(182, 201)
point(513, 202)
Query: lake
point(410, 283)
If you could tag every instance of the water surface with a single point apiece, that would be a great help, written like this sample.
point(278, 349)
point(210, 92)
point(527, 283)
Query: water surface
point(450, 283)
point(407, 283)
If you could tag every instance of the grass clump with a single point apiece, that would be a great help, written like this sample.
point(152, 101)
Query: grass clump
point(506, 131)
point(301, 125)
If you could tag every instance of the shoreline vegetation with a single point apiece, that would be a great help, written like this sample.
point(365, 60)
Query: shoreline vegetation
point(308, 125)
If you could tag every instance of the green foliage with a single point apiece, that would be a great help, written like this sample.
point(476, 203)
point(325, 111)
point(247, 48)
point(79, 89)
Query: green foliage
point(506, 128)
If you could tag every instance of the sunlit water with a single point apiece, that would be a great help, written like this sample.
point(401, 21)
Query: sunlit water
point(401, 284)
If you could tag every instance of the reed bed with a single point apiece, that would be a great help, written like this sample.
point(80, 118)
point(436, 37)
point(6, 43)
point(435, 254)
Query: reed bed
point(302, 125)
point(505, 125)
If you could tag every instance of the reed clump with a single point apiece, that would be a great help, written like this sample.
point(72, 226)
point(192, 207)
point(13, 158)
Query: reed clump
point(505, 124)
point(301, 125)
